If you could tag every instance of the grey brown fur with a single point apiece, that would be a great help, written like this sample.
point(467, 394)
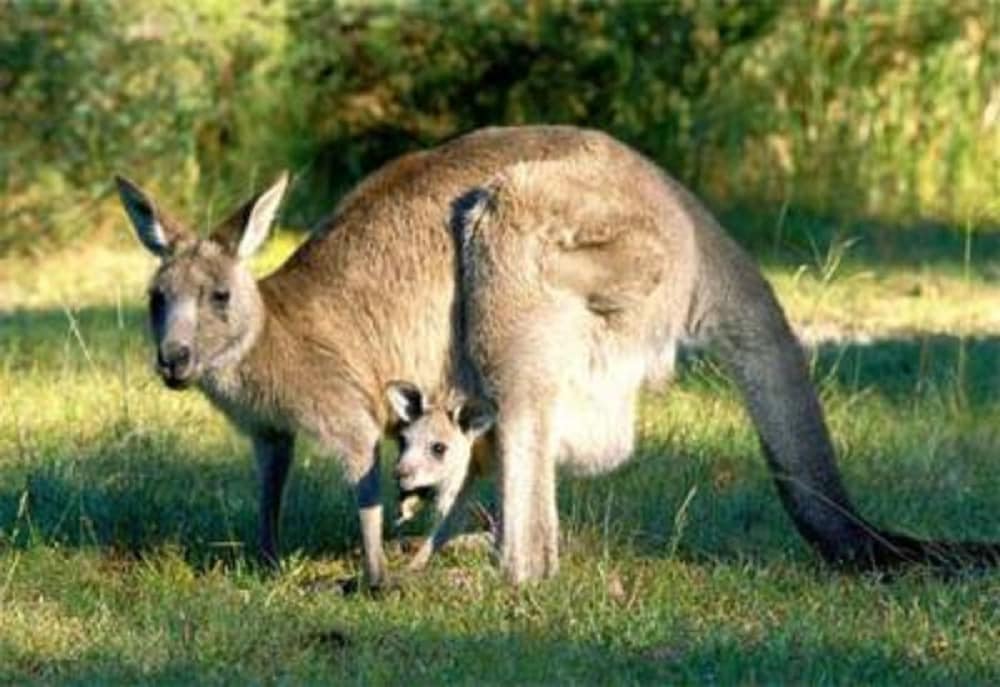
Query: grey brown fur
point(583, 264)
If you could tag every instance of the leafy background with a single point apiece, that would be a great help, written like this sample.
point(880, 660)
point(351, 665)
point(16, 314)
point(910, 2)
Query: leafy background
point(844, 110)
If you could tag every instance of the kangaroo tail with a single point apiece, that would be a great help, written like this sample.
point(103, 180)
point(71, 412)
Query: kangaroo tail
point(736, 311)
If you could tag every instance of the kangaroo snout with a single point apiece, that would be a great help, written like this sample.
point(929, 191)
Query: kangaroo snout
point(410, 477)
point(175, 364)
point(403, 472)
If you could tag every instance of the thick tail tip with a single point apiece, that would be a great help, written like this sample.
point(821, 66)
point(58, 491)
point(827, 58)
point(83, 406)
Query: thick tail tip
point(887, 551)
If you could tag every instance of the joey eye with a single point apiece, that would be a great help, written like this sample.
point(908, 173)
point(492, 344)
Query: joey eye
point(220, 297)
point(438, 449)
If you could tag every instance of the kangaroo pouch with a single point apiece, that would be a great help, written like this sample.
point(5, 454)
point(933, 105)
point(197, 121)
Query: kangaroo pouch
point(596, 408)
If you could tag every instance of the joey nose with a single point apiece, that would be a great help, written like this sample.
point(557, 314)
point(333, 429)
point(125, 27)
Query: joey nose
point(403, 472)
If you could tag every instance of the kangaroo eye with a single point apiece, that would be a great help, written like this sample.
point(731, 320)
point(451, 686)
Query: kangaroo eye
point(438, 449)
point(157, 300)
point(220, 297)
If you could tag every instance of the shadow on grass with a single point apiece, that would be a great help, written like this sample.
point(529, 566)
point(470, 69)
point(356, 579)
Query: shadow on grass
point(50, 338)
point(137, 491)
point(794, 236)
point(903, 370)
point(895, 367)
point(390, 655)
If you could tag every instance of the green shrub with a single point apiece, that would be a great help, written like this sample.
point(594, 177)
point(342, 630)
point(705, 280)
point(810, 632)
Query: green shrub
point(153, 89)
point(376, 80)
point(886, 109)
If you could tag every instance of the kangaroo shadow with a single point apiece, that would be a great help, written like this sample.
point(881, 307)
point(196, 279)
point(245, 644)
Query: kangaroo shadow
point(138, 493)
point(133, 488)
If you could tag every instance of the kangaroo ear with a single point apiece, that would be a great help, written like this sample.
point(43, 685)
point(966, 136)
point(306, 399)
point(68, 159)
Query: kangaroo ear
point(406, 400)
point(244, 232)
point(475, 417)
point(158, 233)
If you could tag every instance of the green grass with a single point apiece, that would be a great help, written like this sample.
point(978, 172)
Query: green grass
point(125, 509)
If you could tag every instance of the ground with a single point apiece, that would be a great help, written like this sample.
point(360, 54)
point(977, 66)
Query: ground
point(125, 510)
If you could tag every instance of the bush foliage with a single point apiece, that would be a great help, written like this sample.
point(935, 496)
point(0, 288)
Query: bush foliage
point(889, 109)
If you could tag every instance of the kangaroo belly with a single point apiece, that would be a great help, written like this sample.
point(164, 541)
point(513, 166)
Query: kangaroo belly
point(595, 417)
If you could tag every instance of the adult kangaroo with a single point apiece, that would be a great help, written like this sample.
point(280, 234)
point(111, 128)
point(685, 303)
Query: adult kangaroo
point(552, 267)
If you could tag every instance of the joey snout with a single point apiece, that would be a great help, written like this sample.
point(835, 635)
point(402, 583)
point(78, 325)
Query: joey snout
point(406, 475)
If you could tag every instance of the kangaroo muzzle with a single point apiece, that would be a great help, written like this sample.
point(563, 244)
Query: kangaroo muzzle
point(405, 475)
point(175, 363)
point(411, 477)
point(175, 329)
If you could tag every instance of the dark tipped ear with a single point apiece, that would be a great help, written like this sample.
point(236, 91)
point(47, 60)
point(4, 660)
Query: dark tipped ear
point(475, 416)
point(406, 400)
point(244, 232)
point(158, 233)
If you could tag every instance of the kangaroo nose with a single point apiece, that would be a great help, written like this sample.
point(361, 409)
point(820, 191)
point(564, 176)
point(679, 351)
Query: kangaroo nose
point(175, 356)
point(175, 362)
point(403, 472)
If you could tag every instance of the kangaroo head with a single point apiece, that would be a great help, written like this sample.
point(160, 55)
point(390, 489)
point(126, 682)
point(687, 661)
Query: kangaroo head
point(436, 439)
point(204, 307)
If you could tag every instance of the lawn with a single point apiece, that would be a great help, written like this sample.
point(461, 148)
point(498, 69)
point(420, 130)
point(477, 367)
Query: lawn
point(125, 510)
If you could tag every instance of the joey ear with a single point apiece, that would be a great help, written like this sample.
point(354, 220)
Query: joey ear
point(244, 231)
point(158, 233)
point(405, 399)
point(475, 417)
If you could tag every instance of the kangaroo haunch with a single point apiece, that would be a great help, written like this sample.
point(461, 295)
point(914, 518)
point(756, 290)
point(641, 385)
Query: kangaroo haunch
point(551, 269)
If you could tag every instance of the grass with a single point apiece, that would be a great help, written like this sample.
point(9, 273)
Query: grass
point(124, 509)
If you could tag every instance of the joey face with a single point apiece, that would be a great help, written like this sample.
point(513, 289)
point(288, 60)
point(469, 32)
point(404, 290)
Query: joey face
point(433, 452)
point(204, 307)
point(435, 440)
